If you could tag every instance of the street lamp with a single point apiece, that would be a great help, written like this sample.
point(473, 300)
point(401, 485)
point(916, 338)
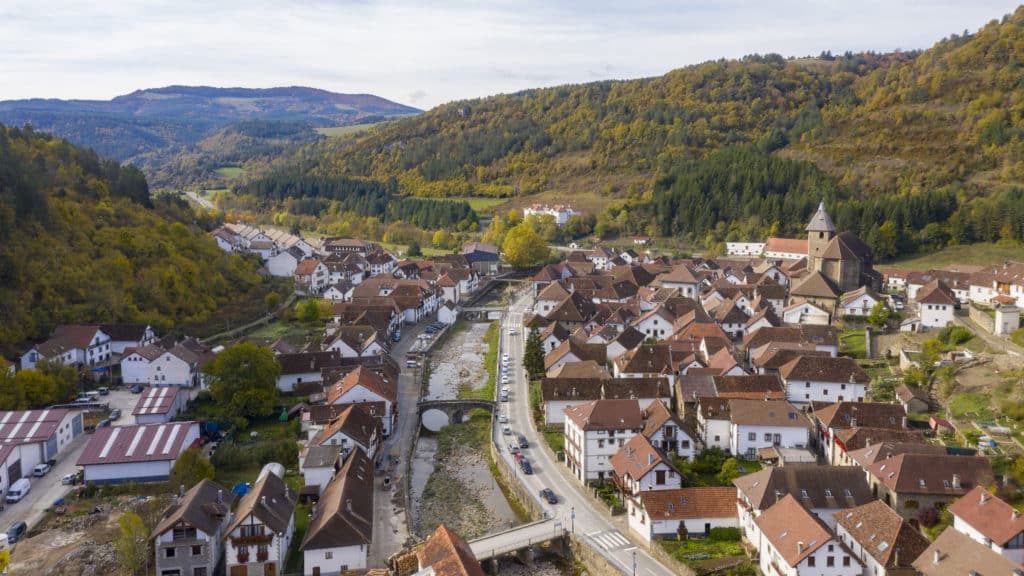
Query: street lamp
point(634, 562)
point(573, 517)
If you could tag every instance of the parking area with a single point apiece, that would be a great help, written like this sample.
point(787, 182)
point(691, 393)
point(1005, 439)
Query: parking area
point(46, 490)
point(124, 400)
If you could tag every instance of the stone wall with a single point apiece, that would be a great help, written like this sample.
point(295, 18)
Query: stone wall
point(508, 477)
point(981, 318)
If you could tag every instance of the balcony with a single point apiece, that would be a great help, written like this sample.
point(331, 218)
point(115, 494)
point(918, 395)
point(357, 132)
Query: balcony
point(262, 556)
point(252, 540)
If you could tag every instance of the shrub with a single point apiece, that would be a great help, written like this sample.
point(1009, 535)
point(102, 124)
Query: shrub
point(955, 335)
point(229, 456)
point(724, 534)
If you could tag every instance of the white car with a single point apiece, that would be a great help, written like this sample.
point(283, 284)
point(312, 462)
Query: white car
point(511, 331)
point(505, 389)
point(506, 430)
point(503, 418)
point(505, 356)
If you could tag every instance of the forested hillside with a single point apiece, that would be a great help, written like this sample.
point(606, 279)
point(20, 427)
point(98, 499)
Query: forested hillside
point(911, 149)
point(81, 240)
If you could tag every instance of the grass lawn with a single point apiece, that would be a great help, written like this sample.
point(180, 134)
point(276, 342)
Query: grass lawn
point(295, 560)
point(982, 254)
point(556, 440)
point(230, 172)
point(695, 549)
point(295, 333)
point(973, 405)
point(852, 342)
point(336, 131)
point(427, 250)
point(481, 205)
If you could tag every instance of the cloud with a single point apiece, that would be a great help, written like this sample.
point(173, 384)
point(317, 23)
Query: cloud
point(446, 49)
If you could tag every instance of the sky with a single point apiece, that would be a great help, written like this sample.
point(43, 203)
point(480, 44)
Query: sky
point(424, 53)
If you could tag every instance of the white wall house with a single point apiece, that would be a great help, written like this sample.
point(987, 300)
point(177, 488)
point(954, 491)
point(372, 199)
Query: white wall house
point(990, 521)
point(362, 385)
point(794, 542)
point(824, 379)
point(640, 467)
point(935, 305)
point(756, 424)
point(879, 537)
point(187, 540)
point(283, 264)
point(744, 248)
point(260, 534)
point(713, 423)
point(595, 431)
point(175, 367)
point(806, 313)
point(699, 510)
point(339, 534)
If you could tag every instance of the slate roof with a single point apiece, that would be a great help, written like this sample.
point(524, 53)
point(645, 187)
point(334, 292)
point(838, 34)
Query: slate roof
point(690, 503)
point(824, 369)
point(821, 221)
point(814, 486)
point(927, 474)
point(883, 534)
point(204, 507)
point(322, 456)
point(308, 362)
point(792, 530)
point(344, 513)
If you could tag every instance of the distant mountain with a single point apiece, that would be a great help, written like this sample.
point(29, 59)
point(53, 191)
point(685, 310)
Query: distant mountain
point(154, 127)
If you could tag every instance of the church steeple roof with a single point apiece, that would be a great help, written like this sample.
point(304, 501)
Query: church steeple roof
point(821, 222)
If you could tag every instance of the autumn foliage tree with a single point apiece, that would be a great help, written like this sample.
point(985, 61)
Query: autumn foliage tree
point(245, 383)
point(523, 247)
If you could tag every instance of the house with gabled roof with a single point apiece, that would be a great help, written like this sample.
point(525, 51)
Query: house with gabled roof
point(794, 541)
point(693, 511)
point(303, 369)
point(352, 428)
point(259, 536)
point(317, 465)
point(807, 313)
point(887, 449)
point(824, 379)
point(954, 553)
point(446, 554)
point(71, 345)
point(667, 433)
point(817, 289)
point(838, 416)
point(821, 338)
point(935, 305)
point(756, 424)
point(159, 405)
point(124, 336)
point(339, 534)
point(882, 540)
point(311, 276)
point(910, 483)
point(573, 349)
point(645, 361)
point(990, 521)
point(356, 341)
point(639, 467)
point(364, 386)
point(859, 302)
point(188, 538)
point(595, 431)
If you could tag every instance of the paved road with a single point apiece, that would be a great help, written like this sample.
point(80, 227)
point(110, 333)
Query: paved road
point(46, 490)
point(390, 530)
point(575, 508)
point(503, 542)
point(996, 343)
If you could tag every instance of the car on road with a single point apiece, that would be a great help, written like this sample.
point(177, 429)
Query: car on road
point(522, 441)
point(512, 332)
point(18, 490)
point(506, 430)
point(549, 496)
point(82, 400)
point(15, 532)
point(505, 379)
point(104, 391)
point(513, 448)
point(397, 336)
point(41, 470)
point(68, 479)
point(430, 329)
point(525, 465)
point(505, 389)
point(505, 356)
point(503, 418)
point(504, 396)
point(115, 414)
point(136, 389)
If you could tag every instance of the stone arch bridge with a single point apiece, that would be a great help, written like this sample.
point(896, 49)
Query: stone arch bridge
point(455, 409)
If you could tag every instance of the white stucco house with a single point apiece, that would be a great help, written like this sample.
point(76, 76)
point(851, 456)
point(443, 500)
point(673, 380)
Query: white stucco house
point(694, 511)
point(595, 431)
point(260, 534)
point(339, 534)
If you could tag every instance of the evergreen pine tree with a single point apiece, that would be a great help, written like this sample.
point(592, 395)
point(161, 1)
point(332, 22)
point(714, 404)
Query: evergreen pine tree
point(533, 354)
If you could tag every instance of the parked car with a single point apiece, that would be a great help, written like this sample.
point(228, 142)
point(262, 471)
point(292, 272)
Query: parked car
point(511, 331)
point(82, 400)
point(396, 337)
point(15, 532)
point(103, 423)
point(506, 430)
point(136, 389)
point(18, 490)
point(525, 465)
point(503, 418)
point(522, 441)
point(115, 413)
point(513, 448)
point(68, 479)
point(548, 495)
point(41, 470)
point(104, 391)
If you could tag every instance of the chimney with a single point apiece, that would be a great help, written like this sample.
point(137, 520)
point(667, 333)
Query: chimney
point(799, 547)
point(181, 490)
point(935, 556)
point(1014, 515)
point(348, 505)
point(220, 496)
point(906, 422)
point(263, 500)
point(982, 498)
point(956, 481)
point(853, 422)
point(896, 557)
point(650, 459)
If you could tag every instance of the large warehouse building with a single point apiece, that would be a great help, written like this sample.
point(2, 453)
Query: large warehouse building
point(29, 437)
point(140, 453)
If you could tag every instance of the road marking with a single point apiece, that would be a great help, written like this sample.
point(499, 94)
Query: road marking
point(611, 540)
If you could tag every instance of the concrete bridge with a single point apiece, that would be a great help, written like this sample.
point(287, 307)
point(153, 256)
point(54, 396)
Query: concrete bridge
point(518, 541)
point(455, 409)
point(484, 309)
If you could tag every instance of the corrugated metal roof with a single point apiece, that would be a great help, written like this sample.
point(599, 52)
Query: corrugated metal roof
point(156, 400)
point(24, 426)
point(143, 443)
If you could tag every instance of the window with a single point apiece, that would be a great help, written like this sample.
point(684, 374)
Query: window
point(328, 555)
point(846, 560)
point(810, 561)
point(830, 561)
point(600, 443)
point(807, 384)
point(197, 550)
point(767, 437)
point(169, 553)
point(685, 444)
point(252, 530)
point(201, 571)
point(831, 547)
point(170, 573)
point(184, 534)
point(751, 436)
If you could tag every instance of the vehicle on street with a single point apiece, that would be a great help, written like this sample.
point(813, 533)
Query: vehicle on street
point(504, 396)
point(93, 395)
point(115, 413)
point(430, 329)
point(503, 418)
point(549, 496)
point(82, 400)
point(513, 448)
point(397, 336)
point(506, 430)
point(15, 532)
point(504, 389)
point(68, 479)
point(523, 443)
point(505, 356)
point(525, 465)
point(41, 470)
point(103, 423)
point(18, 490)
point(511, 331)
point(104, 391)
point(136, 389)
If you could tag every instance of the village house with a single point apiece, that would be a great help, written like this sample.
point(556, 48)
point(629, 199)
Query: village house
point(259, 537)
point(785, 248)
point(560, 212)
point(664, 430)
point(365, 387)
point(806, 313)
point(595, 431)
point(483, 257)
point(990, 521)
point(910, 483)
point(159, 405)
point(318, 466)
point(638, 467)
point(744, 248)
point(793, 541)
point(935, 305)
point(913, 399)
point(352, 428)
point(311, 276)
point(187, 540)
point(824, 379)
point(381, 263)
point(356, 341)
point(339, 534)
point(832, 418)
point(954, 553)
point(693, 512)
point(284, 263)
point(304, 369)
point(124, 336)
point(32, 437)
point(755, 424)
point(559, 392)
point(72, 345)
point(445, 553)
point(883, 542)
point(859, 302)
point(140, 453)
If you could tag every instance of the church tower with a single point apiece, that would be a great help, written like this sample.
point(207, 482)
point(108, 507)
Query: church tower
point(820, 231)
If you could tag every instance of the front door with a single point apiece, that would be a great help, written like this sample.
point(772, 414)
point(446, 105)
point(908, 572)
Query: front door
point(239, 570)
point(269, 569)
point(316, 571)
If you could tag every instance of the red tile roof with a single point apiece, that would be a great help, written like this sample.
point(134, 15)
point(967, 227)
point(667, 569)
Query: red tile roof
point(992, 517)
point(690, 503)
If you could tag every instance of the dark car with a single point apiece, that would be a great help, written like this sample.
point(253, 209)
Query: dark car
point(525, 465)
point(548, 495)
point(115, 413)
point(16, 531)
point(522, 441)
point(136, 389)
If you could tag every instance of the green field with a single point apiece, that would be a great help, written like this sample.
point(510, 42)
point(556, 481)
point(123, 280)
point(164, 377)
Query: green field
point(973, 405)
point(230, 172)
point(973, 254)
point(852, 342)
point(427, 250)
point(481, 205)
point(336, 131)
